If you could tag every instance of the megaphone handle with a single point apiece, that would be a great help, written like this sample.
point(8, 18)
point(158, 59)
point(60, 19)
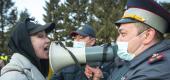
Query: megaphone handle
point(74, 58)
point(104, 54)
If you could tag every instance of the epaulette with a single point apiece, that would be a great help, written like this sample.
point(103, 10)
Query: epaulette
point(156, 58)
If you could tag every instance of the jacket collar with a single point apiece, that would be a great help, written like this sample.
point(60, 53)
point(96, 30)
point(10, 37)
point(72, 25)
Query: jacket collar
point(22, 61)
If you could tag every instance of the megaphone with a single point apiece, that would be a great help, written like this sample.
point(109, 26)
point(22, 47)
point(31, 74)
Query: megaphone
point(60, 58)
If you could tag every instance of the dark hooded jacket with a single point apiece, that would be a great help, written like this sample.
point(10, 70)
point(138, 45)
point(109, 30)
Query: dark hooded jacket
point(20, 42)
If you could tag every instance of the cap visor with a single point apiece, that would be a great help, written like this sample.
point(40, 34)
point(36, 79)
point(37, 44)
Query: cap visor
point(74, 33)
point(47, 28)
point(125, 20)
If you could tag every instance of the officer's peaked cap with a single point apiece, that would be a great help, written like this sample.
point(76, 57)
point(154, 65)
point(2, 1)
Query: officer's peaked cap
point(148, 12)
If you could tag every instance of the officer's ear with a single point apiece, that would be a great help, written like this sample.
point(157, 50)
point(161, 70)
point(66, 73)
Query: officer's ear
point(149, 36)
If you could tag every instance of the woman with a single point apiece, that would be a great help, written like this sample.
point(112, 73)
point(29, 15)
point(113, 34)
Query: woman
point(29, 44)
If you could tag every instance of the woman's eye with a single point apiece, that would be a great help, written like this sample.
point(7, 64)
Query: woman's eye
point(40, 36)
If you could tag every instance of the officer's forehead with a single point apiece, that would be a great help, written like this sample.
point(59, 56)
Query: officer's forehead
point(79, 36)
point(127, 26)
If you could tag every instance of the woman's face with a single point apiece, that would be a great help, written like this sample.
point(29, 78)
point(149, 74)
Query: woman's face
point(40, 43)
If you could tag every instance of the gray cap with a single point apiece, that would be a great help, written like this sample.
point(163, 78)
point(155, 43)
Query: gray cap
point(148, 12)
point(34, 28)
point(141, 15)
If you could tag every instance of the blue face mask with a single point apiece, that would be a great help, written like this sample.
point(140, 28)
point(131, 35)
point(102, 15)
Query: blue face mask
point(123, 52)
point(77, 44)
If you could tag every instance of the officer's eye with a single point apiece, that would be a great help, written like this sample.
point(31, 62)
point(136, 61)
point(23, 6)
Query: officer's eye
point(80, 37)
point(123, 34)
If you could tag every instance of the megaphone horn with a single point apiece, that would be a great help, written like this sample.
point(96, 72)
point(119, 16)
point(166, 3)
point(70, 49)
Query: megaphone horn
point(59, 57)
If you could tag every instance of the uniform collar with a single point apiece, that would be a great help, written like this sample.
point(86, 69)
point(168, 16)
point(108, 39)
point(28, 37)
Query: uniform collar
point(157, 48)
point(119, 62)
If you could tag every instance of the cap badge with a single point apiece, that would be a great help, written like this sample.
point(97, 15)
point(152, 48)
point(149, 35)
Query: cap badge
point(80, 28)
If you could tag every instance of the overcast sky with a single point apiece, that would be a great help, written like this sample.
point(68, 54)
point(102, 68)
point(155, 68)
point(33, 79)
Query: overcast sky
point(164, 0)
point(35, 7)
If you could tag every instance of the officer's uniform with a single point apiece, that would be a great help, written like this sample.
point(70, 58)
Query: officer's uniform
point(68, 73)
point(146, 66)
point(153, 63)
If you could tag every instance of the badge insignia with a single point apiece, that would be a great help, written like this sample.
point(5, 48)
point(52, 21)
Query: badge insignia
point(155, 57)
point(80, 28)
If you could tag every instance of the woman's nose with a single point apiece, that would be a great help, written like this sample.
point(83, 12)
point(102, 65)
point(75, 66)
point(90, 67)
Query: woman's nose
point(47, 40)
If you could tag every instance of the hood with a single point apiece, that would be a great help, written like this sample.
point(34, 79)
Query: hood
point(20, 42)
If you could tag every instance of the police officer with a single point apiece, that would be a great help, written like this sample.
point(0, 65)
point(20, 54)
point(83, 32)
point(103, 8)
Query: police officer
point(84, 36)
point(143, 53)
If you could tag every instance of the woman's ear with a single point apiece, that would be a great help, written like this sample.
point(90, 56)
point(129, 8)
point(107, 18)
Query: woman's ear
point(149, 36)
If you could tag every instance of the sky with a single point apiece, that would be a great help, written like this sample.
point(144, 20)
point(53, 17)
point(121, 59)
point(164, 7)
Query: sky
point(35, 8)
point(164, 0)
